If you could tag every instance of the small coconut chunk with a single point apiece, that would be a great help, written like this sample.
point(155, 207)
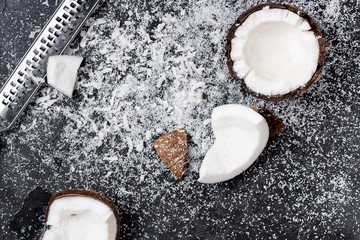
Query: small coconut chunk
point(274, 51)
point(62, 73)
point(172, 148)
point(80, 217)
point(241, 135)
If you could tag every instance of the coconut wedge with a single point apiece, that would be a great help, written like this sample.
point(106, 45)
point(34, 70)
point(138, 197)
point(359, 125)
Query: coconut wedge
point(241, 135)
point(276, 49)
point(62, 73)
point(172, 149)
point(81, 214)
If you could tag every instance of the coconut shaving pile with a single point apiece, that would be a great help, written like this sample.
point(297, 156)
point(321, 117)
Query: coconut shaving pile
point(154, 66)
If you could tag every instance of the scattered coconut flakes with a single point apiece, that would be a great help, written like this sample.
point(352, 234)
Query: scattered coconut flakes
point(298, 170)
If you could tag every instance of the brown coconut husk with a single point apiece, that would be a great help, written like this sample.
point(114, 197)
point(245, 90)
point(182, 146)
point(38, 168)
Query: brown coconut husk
point(314, 28)
point(172, 149)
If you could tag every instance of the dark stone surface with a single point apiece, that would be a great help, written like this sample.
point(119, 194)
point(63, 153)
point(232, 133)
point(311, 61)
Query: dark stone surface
point(27, 222)
point(305, 185)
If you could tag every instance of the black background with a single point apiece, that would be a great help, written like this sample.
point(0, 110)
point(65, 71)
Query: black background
point(298, 188)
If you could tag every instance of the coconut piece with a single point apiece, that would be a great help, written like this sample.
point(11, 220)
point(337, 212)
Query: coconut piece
point(275, 124)
point(62, 73)
point(81, 214)
point(172, 148)
point(241, 135)
point(276, 49)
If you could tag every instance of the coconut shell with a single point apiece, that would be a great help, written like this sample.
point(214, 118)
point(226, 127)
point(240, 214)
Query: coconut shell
point(314, 28)
point(172, 148)
point(275, 124)
point(84, 193)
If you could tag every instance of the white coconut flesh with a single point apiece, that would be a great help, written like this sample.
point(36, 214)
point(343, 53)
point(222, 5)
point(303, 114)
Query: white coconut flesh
point(241, 135)
point(274, 51)
point(80, 217)
point(62, 73)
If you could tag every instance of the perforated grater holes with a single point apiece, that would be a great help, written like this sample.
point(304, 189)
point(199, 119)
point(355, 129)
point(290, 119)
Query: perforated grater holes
point(57, 27)
point(43, 49)
point(73, 5)
point(42, 56)
point(12, 98)
point(56, 34)
point(50, 38)
point(64, 23)
point(5, 102)
point(12, 91)
point(20, 81)
point(13, 84)
point(72, 12)
point(35, 59)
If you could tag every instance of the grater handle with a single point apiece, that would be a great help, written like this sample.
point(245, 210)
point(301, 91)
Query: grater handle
point(28, 76)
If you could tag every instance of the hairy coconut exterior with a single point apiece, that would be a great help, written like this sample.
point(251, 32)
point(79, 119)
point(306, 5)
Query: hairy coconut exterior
point(84, 193)
point(314, 28)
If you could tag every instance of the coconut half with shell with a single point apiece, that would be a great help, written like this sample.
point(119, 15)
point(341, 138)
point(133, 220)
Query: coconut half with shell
point(276, 49)
point(81, 214)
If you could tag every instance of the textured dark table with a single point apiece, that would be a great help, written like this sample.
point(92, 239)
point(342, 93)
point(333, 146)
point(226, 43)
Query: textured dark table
point(152, 66)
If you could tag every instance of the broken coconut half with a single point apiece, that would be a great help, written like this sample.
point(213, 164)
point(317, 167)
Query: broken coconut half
point(276, 49)
point(241, 135)
point(81, 214)
point(62, 73)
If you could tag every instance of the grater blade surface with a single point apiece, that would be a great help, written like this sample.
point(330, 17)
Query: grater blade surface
point(29, 74)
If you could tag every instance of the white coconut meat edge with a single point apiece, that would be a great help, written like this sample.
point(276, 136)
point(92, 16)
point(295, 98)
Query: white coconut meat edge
point(80, 217)
point(274, 51)
point(62, 73)
point(241, 135)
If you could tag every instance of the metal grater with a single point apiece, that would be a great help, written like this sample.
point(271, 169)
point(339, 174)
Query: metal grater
point(29, 74)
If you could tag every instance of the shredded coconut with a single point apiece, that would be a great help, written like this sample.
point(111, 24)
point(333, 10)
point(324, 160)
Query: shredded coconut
point(155, 66)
